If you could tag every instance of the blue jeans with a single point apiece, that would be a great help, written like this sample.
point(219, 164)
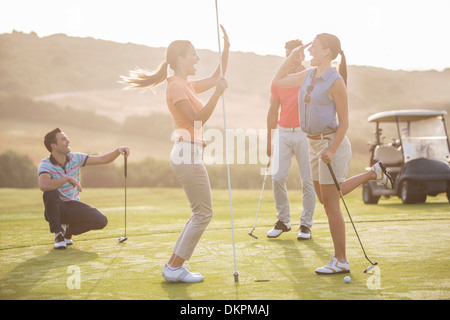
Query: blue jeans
point(79, 216)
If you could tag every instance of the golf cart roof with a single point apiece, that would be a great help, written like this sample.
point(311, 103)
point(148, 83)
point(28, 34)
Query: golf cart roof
point(404, 115)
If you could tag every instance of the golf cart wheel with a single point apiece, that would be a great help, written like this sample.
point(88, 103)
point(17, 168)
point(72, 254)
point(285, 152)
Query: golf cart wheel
point(448, 192)
point(368, 197)
point(410, 194)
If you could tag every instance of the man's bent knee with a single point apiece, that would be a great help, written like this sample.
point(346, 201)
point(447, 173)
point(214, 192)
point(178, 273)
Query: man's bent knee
point(102, 221)
point(50, 195)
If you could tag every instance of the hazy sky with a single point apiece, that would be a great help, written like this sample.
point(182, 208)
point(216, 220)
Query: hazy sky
point(393, 34)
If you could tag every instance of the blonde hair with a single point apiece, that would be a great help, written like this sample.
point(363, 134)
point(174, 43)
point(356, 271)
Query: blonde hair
point(141, 78)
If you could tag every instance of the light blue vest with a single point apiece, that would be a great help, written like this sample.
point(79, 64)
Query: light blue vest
point(318, 116)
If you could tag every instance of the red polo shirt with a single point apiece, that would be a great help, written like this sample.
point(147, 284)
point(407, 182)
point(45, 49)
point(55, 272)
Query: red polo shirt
point(288, 98)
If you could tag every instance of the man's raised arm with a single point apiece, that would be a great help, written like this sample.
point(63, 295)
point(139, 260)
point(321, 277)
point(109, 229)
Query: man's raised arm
point(109, 157)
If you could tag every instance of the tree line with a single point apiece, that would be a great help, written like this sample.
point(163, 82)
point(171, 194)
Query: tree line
point(18, 171)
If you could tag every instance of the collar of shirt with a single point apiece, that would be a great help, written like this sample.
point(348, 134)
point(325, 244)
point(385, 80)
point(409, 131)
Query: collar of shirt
point(324, 76)
point(56, 163)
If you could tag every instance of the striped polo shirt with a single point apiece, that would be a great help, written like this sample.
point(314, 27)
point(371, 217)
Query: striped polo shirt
point(74, 162)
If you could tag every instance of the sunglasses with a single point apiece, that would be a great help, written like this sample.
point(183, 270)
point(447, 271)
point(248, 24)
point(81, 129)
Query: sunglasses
point(309, 89)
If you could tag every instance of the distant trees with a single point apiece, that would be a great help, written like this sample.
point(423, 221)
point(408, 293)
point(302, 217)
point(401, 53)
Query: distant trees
point(152, 173)
point(17, 171)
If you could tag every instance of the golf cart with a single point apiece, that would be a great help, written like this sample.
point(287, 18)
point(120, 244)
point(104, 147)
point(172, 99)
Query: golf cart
point(418, 160)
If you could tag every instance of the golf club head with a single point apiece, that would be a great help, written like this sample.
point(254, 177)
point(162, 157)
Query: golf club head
point(371, 267)
point(252, 235)
point(122, 239)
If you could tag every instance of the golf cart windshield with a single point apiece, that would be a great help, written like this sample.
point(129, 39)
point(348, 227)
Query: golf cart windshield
point(424, 138)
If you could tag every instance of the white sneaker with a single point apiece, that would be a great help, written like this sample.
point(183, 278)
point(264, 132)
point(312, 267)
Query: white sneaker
point(59, 241)
point(382, 175)
point(180, 274)
point(305, 233)
point(278, 229)
point(186, 266)
point(67, 237)
point(334, 267)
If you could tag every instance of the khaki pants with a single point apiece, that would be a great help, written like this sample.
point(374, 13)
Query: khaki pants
point(287, 145)
point(186, 162)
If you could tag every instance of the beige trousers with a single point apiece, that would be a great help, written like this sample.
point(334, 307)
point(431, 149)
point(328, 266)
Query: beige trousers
point(340, 163)
point(186, 162)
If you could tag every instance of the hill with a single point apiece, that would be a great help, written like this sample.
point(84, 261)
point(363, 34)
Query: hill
point(82, 74)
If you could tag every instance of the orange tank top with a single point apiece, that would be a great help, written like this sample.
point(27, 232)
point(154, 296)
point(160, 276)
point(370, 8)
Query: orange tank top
point(179, 89)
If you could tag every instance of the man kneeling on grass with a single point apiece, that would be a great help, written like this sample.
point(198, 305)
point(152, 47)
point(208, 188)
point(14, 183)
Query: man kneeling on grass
point(59, 179)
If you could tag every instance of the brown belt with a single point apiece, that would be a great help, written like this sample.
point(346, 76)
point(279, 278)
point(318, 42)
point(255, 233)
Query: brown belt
point(289, 129)
point(321, 136)
point(202, 144)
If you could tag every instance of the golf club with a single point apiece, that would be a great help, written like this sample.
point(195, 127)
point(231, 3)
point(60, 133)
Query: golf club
point(260, 198)
point(372, 265)
point(235, 274)
point(124, 238)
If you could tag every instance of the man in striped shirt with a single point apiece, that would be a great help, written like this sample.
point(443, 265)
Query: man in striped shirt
point(59, 179)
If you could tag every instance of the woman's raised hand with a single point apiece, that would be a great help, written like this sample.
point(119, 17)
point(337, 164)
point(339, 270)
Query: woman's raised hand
point(299, 51)
point(226, 40)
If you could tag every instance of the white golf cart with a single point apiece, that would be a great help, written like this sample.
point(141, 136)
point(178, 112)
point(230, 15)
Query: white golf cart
point(418, 160)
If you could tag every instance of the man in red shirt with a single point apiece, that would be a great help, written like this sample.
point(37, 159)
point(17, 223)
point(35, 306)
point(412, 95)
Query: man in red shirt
point(283, 119)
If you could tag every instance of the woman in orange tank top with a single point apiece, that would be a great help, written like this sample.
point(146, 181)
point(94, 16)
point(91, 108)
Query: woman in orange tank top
point(189, 116)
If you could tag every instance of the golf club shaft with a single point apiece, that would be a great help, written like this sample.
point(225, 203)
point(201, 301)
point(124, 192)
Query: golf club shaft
point(260, 197)
point(348, 212)
point(125, 172)
point(236, 274)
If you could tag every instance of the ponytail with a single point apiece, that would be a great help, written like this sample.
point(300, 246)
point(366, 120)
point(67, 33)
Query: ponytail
point(334, 44)
point(343, 67)
point(140, 78)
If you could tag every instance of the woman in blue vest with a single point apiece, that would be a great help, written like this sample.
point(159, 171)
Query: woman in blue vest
point(323, 111)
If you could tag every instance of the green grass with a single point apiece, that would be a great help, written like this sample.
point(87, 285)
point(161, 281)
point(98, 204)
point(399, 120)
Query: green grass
point(411, 244)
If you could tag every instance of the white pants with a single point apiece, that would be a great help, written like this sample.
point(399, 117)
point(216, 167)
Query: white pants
point(290, 144)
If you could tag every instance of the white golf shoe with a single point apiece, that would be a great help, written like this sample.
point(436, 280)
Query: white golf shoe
point(305, 233)
point(382, 175)
point(67, 236)
point(59, 241)
point(334, 267)
point(180, 274)
point(278, 229)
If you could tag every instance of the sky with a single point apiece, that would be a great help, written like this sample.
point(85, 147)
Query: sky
point(391, 34)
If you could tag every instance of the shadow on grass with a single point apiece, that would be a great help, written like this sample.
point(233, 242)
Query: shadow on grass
point(23, 278)
point(308, 285)
point(294, 255)
point(177, 290)
point(400, 205)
